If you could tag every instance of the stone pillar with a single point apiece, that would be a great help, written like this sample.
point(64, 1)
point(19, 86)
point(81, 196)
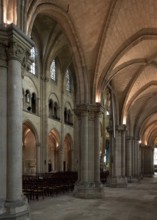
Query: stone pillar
point(3, 127)
point(84, 147)
point(17, 44)
point(60, 158)
point(152, 160)
point(123, 151)
point(112, 153)
point(97, 148)
point(118, 178)
point(38, 158)
point(129, 157)
point(136, 158)
point(147, 153)
point(88, 184)
point(44, 125)
point(103, 143)
point(142, 159)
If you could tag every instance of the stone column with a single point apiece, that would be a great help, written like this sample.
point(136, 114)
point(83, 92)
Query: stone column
point(136, 155)
point(17, 45)
point(60, 158)
point(112, 155)
point(147, 160)
point(124, 151)
point(137, 160)
point(84, 147)
point(38, 169)
point(44, 125)
point(118, 179)
point(129, 157)
point(88, 184)
point(97, 147)
point(103, 143)
point(152, 160)
point(3, 127)
point(142, 159)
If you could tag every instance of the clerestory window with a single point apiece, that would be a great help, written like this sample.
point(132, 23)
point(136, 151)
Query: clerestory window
point(53, 72)
point(33, 66)
point(68, 80)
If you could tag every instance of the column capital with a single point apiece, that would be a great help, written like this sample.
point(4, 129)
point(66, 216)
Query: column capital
point(109, 129)
point(121, 127)
point(3, 55)
point(129, 138)
point(17, 44)
point(88, 109)
point(44, 78)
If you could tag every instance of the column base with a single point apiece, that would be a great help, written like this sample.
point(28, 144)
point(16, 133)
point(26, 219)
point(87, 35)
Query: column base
point(117, 181)
point(89, 190)
point(17, 210)
point(2, 208)
point(132, 179)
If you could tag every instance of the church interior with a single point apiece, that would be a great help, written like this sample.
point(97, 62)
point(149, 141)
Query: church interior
point(78, 110)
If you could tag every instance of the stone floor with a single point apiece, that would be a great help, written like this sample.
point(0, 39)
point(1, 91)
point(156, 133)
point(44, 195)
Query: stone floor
point(136, 202)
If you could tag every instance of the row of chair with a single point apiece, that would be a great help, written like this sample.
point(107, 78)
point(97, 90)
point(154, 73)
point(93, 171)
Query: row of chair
point(52, 184)
point(48, 184)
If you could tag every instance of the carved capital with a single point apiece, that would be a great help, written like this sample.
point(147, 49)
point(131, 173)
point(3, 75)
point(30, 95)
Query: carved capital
point(109, 129)
point(90, 110)
point(121, 128)
point(129, 138)
point(15, 51)
point(44, 78)
point(3, 55)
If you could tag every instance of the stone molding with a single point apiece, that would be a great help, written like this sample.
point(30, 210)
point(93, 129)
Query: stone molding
point(121, 128)
point(45, 79)
point(3, 55)
point(90, 110)
point(17, 45)
point(15, 51)
point(129, 138)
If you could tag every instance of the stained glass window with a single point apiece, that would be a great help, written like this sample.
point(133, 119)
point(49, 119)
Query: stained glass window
point(53, 70)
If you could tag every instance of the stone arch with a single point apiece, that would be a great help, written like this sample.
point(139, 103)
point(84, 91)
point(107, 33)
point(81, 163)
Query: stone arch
point(53, 150)
point(68, 114)
point(144, 34)
point(30, 142)
point(68, 145)
point(60, 15)
point(54, 106)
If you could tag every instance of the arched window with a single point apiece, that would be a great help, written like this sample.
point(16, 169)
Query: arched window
point(55, 110)
point(27, 96)
point(65, 115)
point(53, 72)
point(33, 99)
point(33, 66)
point(68, 80)
point(50, 108)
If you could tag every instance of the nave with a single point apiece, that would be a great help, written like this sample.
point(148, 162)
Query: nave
point(137, 201)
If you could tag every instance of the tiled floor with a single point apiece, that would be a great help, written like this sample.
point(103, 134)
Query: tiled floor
point(136, 202)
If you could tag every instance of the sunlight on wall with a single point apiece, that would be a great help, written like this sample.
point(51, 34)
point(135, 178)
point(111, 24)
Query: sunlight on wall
point(10, 13)
point(124, 120)
point(155, 156)
point(98, 98)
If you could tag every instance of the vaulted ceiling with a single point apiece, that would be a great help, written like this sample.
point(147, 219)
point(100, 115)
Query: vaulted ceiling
point(118, 44)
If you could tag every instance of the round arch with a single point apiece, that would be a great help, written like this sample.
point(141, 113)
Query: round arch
point(68, 145)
